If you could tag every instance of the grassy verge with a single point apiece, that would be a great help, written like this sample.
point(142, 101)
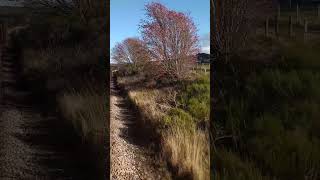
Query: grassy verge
point(265, 118)
point(86, 109)
point(179, 114)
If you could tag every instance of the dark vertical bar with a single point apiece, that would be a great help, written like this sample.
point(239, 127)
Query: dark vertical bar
point(290, 26)
point(1, 89)
point(4, 33)
point(279, 11)
point(107, 61)
point(297, 14)
point(213, 27)
point(276, 26)
point(267, 28)
point(290, 4)
point(217, 16)
point(1, 34)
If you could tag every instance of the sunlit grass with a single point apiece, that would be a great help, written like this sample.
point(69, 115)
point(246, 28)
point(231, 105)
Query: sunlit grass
point(183, 145)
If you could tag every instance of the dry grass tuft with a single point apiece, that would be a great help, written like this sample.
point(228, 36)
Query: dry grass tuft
point(86, 109)
point(189, 151)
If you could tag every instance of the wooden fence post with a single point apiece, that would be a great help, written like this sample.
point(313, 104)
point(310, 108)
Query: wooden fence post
point(305, 26)
point(305, 30)
point(267, 27)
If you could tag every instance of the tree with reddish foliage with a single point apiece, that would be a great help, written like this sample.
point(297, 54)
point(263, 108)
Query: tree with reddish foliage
point(172, 40)
point(133, 53)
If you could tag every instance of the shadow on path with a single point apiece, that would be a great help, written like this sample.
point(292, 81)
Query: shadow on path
point(35, 143)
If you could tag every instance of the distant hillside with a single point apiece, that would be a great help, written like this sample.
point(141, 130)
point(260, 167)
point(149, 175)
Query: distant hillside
point(203, 58)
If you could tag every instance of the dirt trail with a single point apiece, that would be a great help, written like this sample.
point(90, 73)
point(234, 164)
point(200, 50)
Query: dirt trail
point(130, 156)
point(34, 142)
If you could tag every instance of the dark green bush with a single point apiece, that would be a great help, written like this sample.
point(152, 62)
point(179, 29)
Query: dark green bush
point(230, 166)
point(195, 98)
point(272, 115)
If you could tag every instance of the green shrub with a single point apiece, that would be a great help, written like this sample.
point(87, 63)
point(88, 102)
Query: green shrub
point(229, 166)
point(198, 109)
point(274, 113)
point(195, 98)
point(178, 117)
point(300, 55)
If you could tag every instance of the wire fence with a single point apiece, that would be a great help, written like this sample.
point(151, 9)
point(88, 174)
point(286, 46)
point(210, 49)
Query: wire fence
point(295, 21)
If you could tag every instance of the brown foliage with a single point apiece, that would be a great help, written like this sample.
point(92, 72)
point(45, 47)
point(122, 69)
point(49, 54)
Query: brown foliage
point(131, 52)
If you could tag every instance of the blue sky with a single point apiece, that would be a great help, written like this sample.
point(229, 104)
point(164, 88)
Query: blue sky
point(127, 14)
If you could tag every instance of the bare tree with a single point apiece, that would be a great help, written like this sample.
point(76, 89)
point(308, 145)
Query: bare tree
point(234, 20)
point(86, 9)
point(132, 52)
point(171, 38)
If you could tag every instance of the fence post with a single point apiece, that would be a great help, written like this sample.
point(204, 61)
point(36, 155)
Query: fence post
point(267, 27)
point(279, 11)
point(305, 30)
point(290, 26)
point(305, 26)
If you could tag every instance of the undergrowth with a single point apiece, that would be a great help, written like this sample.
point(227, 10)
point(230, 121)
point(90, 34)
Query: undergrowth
point(265, 120)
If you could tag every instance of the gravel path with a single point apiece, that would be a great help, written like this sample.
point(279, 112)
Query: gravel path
point(34, 142)
point(38, 146)
point(131, 159)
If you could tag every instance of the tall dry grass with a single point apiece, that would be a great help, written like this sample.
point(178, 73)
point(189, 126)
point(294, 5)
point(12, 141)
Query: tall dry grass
point(72, 73)
point(185, 149)
point(189, 151)
point(87, 111)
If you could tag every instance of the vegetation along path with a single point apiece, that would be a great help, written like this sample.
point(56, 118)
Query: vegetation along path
point(34, 142)
point(130, 156)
